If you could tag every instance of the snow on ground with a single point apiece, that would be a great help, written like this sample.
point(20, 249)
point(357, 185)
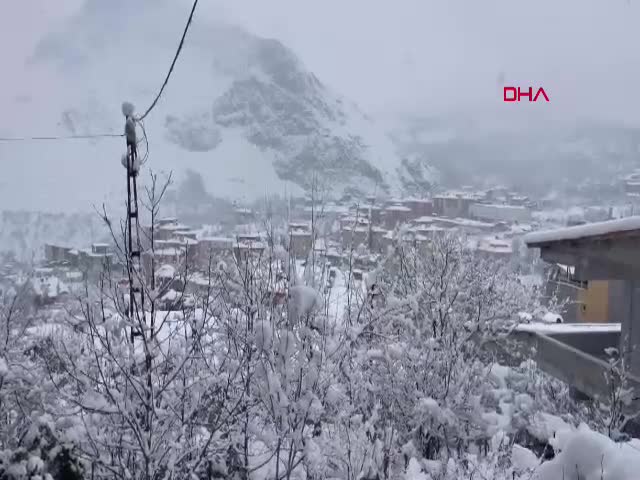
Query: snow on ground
point(337, 299)
point(531, 280)
point(568, 327)
point(588, 455)
point(582, 231)
point(523, 459)
point(547, 428)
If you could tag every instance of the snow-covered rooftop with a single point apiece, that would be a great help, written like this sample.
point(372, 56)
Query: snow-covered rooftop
point(460, 222)
point(298, 225)
point(583, 231)
point(170, 252)
point(398, 208)
point(328, 209)
point(222, 240)
point(459, 195)
point(349, 228)
point(50, 286)
point(166, 271)
point(250, 245)
point(174, 227)
point(495, 245)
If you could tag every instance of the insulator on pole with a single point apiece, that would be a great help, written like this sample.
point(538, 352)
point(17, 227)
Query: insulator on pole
point(130, 123)
point(128, 109)
point(126, 163)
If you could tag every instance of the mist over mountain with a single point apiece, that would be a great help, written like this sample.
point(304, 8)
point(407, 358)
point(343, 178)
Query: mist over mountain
point(241, 110)
point(535, 157)
point(248, 115)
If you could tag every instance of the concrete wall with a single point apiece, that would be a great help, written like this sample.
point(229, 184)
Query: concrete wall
point(567, 357)
point(593, 343)
point(625, 305)
point(576, 368)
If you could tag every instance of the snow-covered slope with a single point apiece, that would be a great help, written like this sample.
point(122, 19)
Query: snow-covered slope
point(528, 152)
point(240, 109)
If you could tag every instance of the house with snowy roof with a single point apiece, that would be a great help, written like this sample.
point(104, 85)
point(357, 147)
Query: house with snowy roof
point(56, 253)
point(500, 212)
point(597, 251)
point(454, 204)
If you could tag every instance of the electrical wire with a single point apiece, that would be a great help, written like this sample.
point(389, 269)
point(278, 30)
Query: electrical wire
point(146, 141)
point(175, 59)
point(62, 137)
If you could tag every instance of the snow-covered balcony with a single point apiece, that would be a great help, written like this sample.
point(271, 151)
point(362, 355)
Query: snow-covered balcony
point(597, 251)
point(579, 354)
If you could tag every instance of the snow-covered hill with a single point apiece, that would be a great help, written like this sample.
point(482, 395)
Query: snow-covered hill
point(537, 156)
point(240, 109)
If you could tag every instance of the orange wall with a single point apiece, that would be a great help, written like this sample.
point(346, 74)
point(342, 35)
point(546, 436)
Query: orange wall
point(594, 302)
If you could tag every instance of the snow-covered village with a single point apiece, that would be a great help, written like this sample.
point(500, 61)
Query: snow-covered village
point(237, 244)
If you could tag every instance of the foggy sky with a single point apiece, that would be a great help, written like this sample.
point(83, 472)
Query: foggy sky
point(419, 55)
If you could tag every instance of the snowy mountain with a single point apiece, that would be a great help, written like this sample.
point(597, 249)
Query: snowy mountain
point(536, 157)
point(240, 109)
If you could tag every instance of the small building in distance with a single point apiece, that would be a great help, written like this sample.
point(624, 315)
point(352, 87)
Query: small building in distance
point(499, 213)
point(375, 214)
point(167, 228)
point(56, 253)
point(100, 248)
point(631, 183)
point(420, 207)
point(354, 236)
point(453, 204)
point(300, 239)
point(214, 248)
point(244, 215)
point(465, 224)
point(395, 215)
point(497, 248)
point(248, 246)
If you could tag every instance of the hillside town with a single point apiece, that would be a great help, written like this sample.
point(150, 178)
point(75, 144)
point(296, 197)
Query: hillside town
point(353, 232)
point(346, 232)
point(319, 241)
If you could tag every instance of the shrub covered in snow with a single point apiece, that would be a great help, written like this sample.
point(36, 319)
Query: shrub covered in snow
point(588, 455)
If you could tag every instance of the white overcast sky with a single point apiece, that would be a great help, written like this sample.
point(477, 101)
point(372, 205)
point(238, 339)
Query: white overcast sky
point(420, 55)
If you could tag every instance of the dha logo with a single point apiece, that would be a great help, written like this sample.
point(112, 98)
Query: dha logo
point(513, 94)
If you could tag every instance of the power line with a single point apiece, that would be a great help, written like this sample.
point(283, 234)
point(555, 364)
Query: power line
point(62, 137)
point(151, 107)
point(175, 59)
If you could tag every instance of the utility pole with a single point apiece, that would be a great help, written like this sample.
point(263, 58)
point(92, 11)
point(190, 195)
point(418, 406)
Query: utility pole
point(133, 245)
